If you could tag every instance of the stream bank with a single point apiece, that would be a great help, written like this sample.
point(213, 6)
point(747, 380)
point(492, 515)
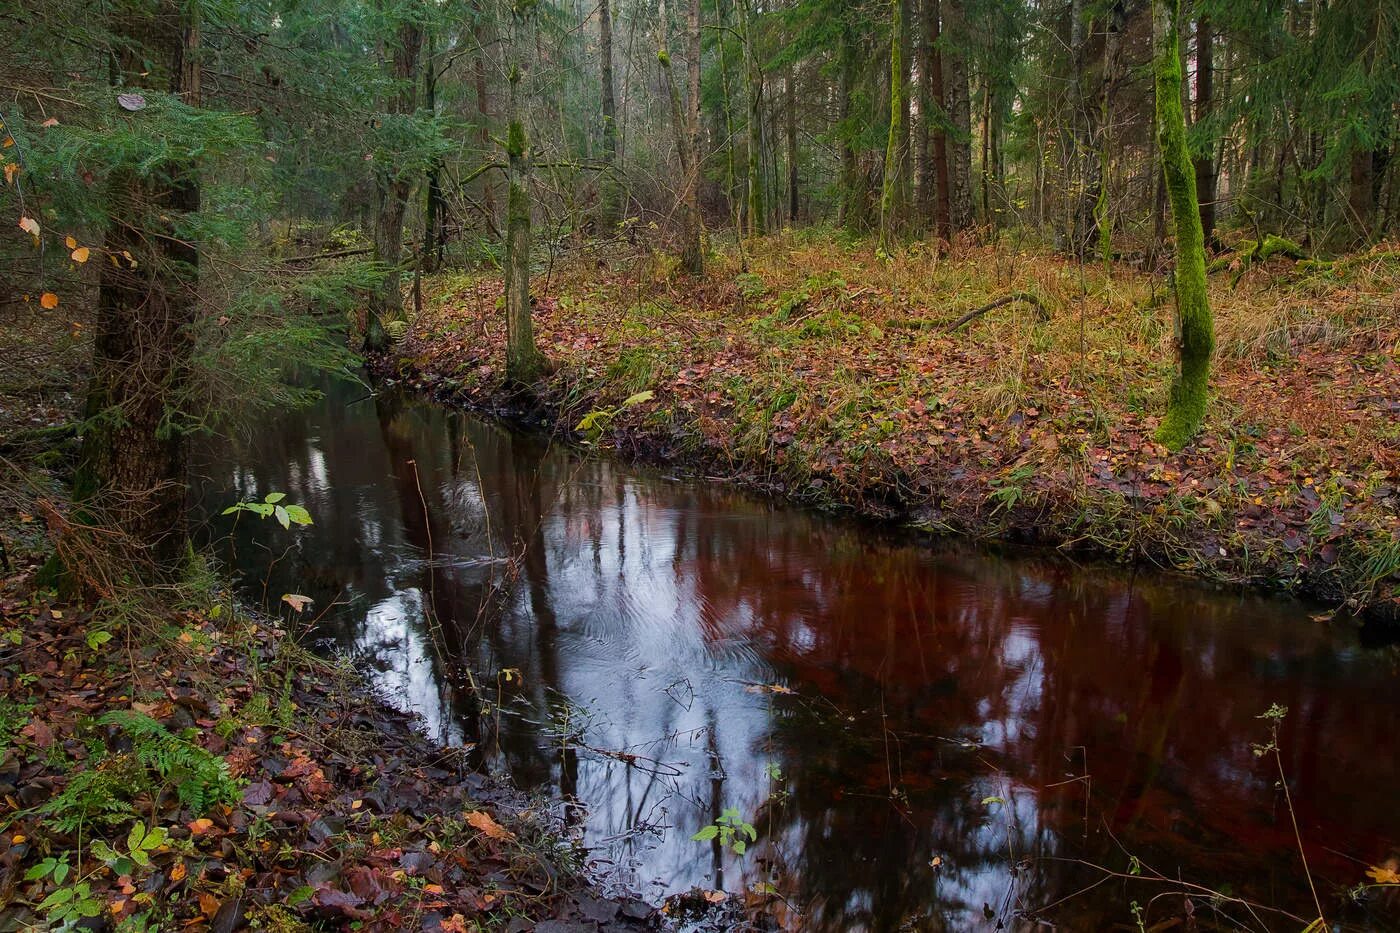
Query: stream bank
point(834, 385)
point(189, 765)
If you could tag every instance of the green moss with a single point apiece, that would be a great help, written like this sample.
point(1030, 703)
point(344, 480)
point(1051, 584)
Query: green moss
point(1186, 408)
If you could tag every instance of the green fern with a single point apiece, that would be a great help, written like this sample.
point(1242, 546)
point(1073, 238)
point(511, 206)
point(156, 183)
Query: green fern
point(201, 779)
point(98, 796)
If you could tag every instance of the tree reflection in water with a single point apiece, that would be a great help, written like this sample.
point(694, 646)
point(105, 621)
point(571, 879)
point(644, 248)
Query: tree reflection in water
point(1014, 718)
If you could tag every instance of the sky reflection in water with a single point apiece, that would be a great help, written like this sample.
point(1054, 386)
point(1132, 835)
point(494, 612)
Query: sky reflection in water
point(991, 712)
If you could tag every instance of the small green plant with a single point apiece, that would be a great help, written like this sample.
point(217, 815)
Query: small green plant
point(595, 422)
point(272, 507)
point(1008, 491)
point(100, 795)
point(13, 716)
point(140, 843)
point(731, 829)
point(751, 286)
point(201, 779)
point(67, 907)
point(55, 867)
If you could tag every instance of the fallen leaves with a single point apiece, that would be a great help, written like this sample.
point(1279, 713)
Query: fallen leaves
point(1383, 875)
point(483, 822)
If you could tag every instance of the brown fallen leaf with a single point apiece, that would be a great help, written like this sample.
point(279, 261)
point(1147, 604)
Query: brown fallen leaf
point(483, 822)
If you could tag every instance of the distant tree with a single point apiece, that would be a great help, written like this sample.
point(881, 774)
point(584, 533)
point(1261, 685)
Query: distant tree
point(524, 362)
point(393, 178)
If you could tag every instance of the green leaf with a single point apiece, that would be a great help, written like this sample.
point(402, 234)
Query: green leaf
point(298, 515)
point(231, 509)
point(639, 398)
point(990, 800)
point(282, 518)
point(739, 846)
point(134, 838)
point(706, 833)
point(274, 497)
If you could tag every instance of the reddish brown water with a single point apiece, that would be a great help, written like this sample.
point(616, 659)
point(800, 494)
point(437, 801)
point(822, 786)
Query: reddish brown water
point(869, 703)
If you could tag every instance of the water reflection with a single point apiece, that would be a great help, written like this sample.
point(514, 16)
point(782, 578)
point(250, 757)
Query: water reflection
point(869, 706)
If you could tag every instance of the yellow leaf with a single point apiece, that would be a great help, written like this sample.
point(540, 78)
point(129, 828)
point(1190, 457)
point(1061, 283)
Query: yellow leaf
point(81, 254)
point(9, 141)
point(1383, 875)
point(178, 872)
point(296, 601)
point(483, 821)
point(48, 300)
point(29, 225)
point(201, 826)
point(70, 242)
point(11, 170)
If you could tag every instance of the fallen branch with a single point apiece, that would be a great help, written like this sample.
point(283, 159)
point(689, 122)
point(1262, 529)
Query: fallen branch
point(1042, 312)
point(333, 254)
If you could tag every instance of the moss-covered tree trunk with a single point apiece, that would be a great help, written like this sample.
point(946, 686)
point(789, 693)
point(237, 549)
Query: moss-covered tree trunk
point(1196, 334)
point(392, 188)
point(524, 362)
point(889, 193)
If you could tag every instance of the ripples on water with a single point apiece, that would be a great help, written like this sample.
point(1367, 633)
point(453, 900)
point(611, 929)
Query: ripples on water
point(679, 645)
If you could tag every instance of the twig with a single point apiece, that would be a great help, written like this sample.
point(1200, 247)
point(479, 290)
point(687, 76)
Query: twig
point(1027, 297)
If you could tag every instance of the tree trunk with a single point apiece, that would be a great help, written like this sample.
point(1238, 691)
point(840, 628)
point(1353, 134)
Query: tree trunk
point(986, 150)
point(1205, 167)
point(1196, 333)
point(1103, 221)
point(1084, 159)
point(848, 213)
point(693, 255)
point(960, 110)
point(923, 133)
point(392, 189)
point(938, 116)
point(905, 192)
point(524, 363)
point(435, 210)
point(791, 132)
point(483, 115)
point(686, 206)
point(889, 195)
point(1360, 195)
point(754, 86)
point(609, 206)
point(133, 462)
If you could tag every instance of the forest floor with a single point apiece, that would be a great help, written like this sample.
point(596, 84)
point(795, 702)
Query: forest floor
point(830, 375)
point(191, 767)
point(167, 760)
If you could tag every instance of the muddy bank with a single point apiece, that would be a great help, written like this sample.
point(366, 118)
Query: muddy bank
point(892, 431)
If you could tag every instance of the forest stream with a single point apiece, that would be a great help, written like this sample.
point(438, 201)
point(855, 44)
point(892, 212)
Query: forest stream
point(919, 734)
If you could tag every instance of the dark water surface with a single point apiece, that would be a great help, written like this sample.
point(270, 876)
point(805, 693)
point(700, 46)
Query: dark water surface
point(870, 705)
